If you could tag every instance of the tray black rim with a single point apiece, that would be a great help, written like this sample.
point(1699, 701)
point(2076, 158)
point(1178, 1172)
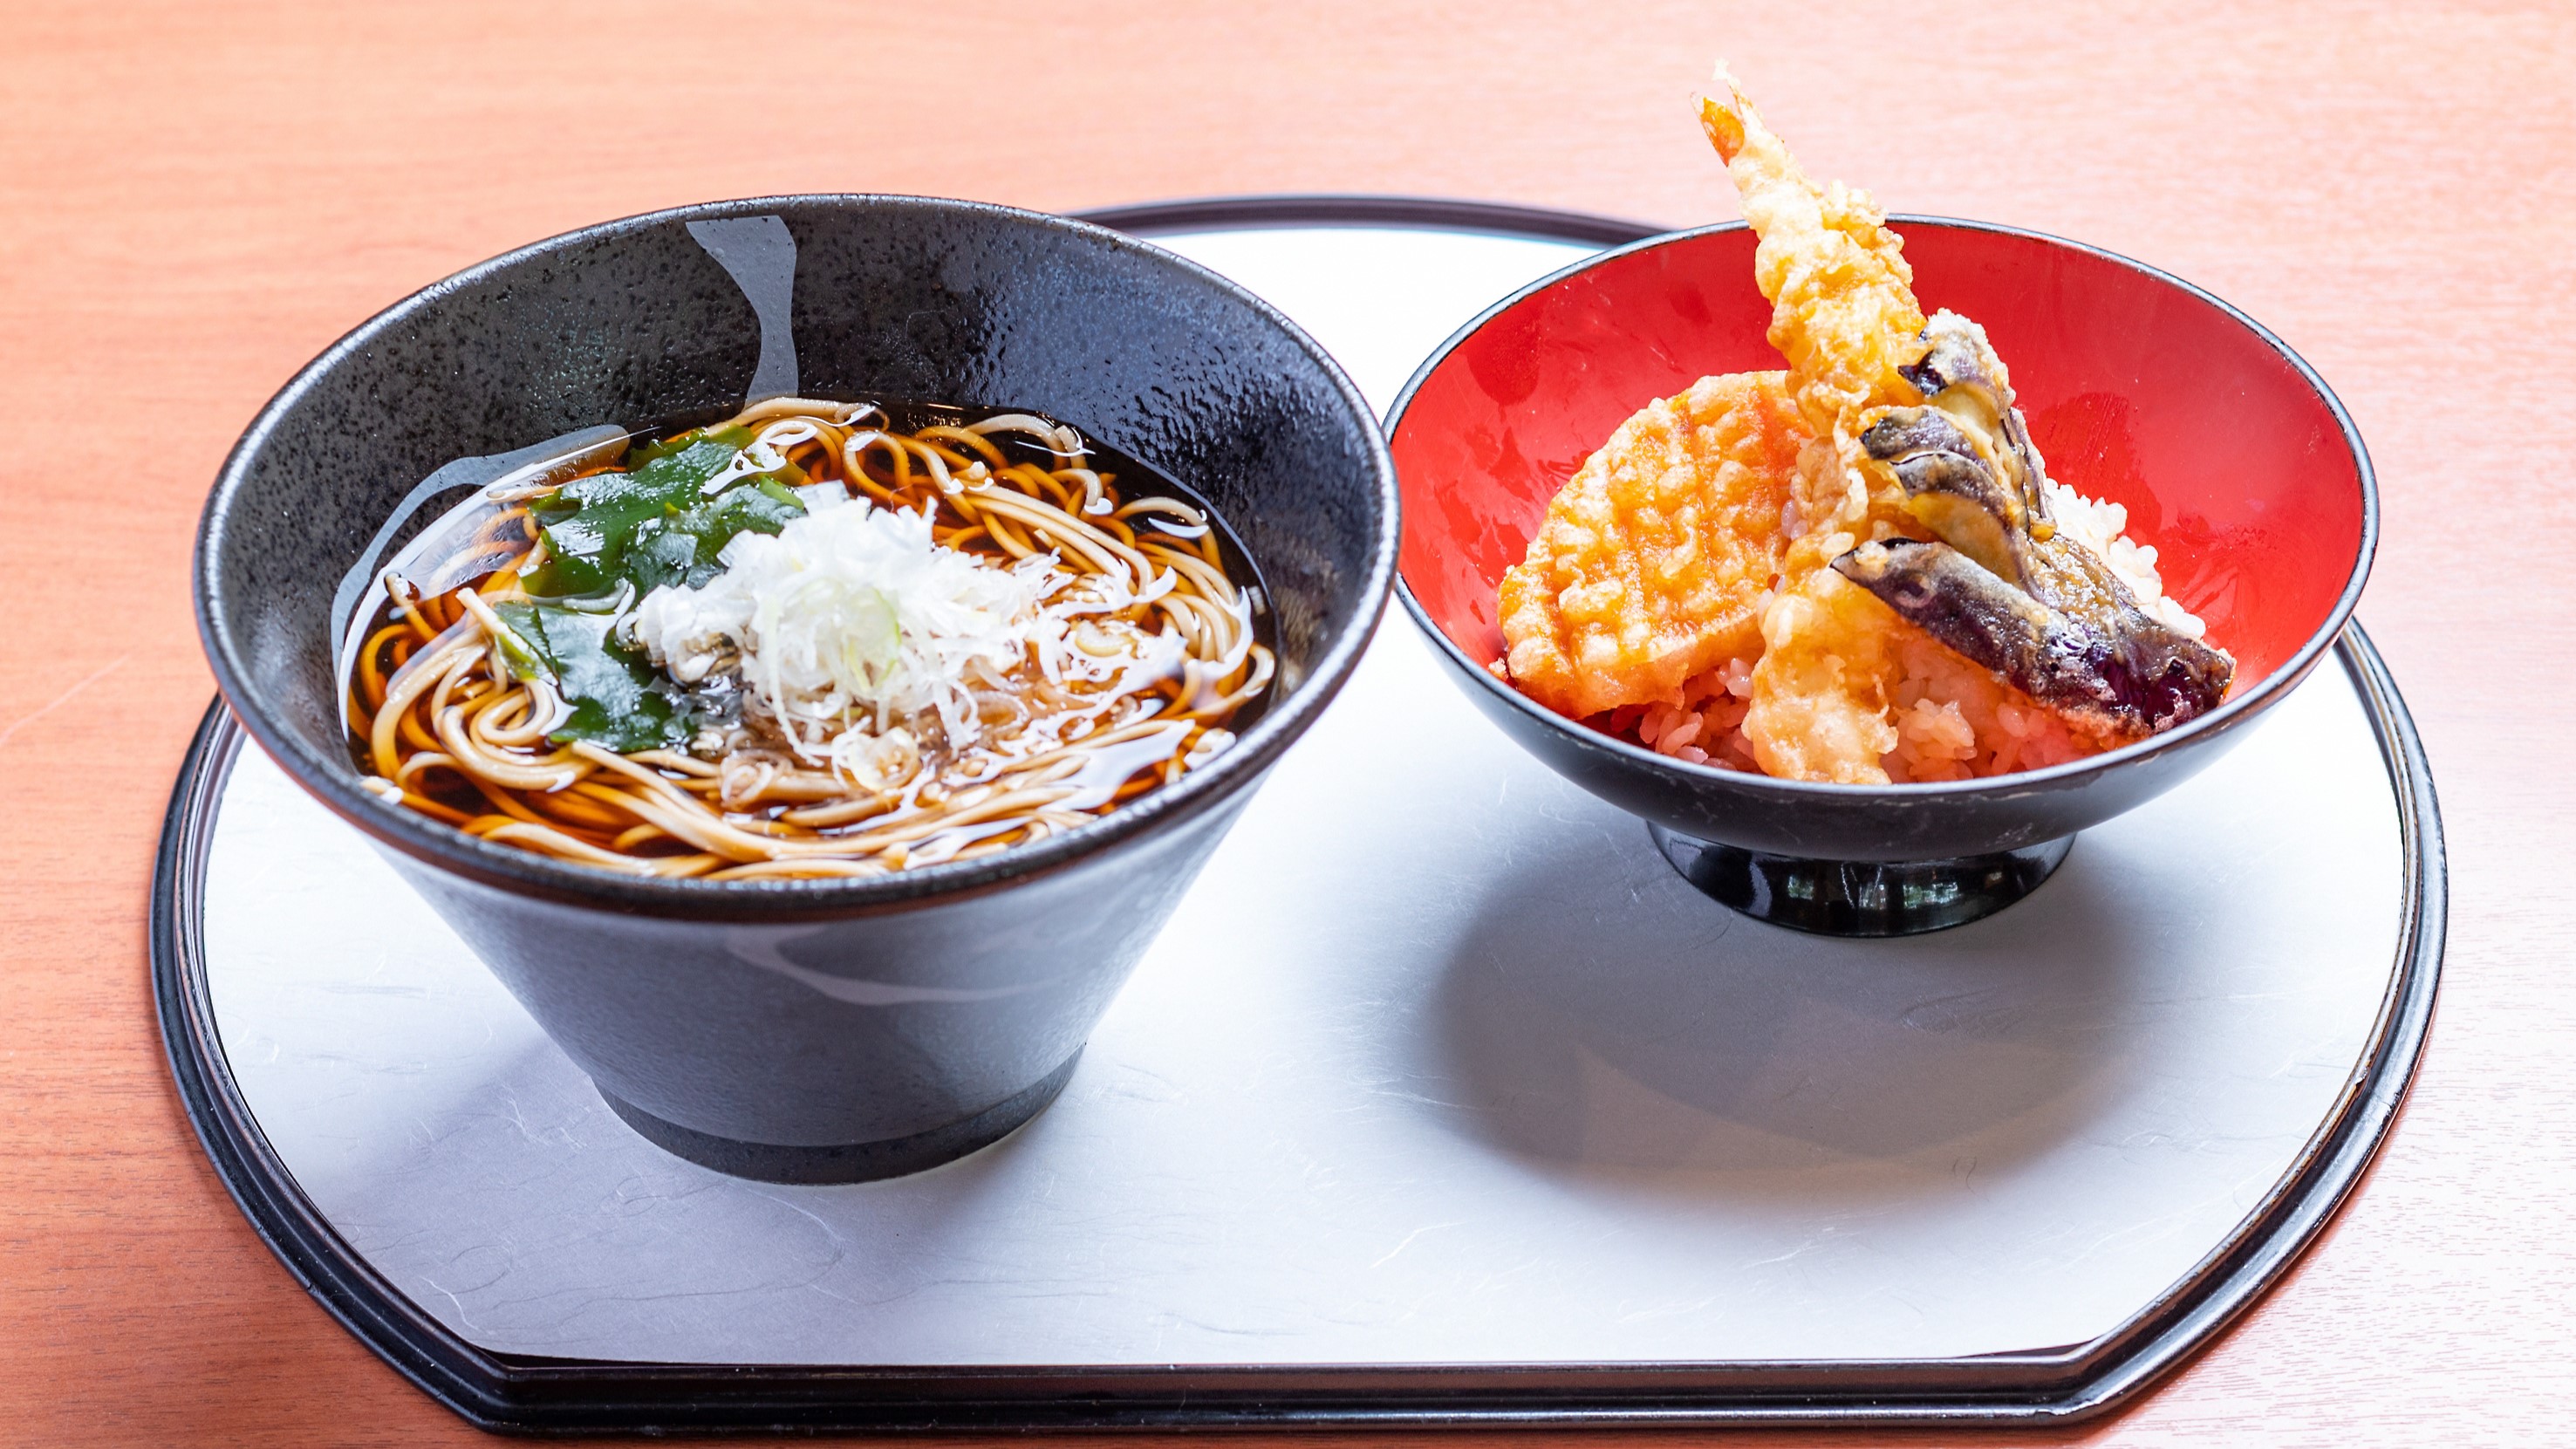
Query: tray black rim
point(512, 1393)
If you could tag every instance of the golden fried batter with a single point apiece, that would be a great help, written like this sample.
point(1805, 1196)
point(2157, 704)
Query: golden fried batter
point(1655, 559)
point(1842, 297)
point(1820, 691)
point(1844, 313)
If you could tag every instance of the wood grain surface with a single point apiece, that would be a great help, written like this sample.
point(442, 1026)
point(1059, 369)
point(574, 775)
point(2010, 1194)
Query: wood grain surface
point(196, 199)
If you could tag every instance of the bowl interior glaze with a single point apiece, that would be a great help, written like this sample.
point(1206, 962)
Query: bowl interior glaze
point(2142, 391)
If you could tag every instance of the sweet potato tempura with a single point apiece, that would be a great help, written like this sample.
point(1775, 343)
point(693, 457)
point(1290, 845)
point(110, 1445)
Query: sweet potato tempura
point(1655, 560)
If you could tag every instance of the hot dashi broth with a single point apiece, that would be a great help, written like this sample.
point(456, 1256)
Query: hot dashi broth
point(814, 639)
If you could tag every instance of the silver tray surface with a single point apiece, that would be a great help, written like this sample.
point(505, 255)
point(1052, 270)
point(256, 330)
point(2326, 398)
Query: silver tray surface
point(1442, 1099)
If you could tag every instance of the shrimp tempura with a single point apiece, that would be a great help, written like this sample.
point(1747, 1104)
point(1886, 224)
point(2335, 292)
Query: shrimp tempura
point(1842, 297)
point(1844, 314)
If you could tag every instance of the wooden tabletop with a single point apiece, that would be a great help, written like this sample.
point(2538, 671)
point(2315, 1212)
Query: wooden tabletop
point(196, 199)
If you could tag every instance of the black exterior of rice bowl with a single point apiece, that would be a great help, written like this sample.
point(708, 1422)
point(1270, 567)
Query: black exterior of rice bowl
point(859, 1028)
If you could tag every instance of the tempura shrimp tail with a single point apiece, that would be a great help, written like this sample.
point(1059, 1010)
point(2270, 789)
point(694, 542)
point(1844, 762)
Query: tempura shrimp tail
point(1843, 308)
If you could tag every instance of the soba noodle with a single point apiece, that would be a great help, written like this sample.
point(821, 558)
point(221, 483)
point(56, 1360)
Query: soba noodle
point(846, 752)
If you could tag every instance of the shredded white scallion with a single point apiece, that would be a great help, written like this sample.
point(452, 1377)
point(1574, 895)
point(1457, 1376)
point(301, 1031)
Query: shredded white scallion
point(854, 621)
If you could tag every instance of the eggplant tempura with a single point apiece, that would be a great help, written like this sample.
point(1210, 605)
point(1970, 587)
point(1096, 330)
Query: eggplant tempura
point(1940, 608)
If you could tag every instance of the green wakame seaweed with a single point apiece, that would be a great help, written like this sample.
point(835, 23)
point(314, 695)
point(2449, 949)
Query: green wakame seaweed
point(653, 524)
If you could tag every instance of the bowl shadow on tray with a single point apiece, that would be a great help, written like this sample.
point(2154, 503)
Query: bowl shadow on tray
point(590, 1234)
point(1711, 1056)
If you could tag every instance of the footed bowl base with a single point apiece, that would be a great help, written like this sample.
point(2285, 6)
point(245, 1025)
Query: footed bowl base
point(1860, 897)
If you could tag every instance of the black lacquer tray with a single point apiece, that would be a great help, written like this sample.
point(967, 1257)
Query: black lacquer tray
point(1461, 1113)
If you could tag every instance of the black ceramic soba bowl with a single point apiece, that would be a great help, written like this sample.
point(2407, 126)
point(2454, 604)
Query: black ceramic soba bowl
point(812, 1030)
point(2227, 450)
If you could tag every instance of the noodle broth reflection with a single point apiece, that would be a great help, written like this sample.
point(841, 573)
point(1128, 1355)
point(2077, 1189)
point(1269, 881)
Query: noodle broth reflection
point(817, 639)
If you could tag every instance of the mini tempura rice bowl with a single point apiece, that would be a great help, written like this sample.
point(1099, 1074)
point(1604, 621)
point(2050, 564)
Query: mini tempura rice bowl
point(805, 1030)
point(2225, 450)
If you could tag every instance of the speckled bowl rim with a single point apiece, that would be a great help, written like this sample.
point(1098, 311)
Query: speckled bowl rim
point(1687, 775)
point(334, 781)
